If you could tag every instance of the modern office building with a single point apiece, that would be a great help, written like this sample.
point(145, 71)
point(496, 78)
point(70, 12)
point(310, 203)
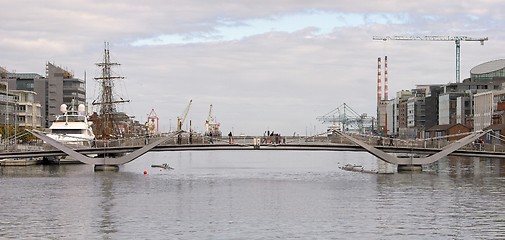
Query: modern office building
point(57, 87)
point(63, 87)
point(491, 71)
point(7, 107)
point(18, 107)
point(416, 113)
point(391, 121)
point(489, 109)
point(454, 103)
point(431, 105)
point(447, 107)
point(400, 116)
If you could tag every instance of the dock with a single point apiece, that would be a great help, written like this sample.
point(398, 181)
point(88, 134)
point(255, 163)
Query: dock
point(20, 162)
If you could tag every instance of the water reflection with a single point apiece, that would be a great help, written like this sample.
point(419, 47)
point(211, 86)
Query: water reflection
point(106, 204)
point(242, 195)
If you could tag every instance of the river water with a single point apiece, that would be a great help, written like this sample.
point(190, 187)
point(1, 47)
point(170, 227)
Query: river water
point(254, 195)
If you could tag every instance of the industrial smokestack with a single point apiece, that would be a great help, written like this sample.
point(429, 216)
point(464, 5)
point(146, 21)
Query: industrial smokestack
point(386, 78)
point(379, 87)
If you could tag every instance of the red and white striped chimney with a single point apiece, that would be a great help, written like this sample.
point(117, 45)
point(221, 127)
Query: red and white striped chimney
point(386, 78)
point(379, 87)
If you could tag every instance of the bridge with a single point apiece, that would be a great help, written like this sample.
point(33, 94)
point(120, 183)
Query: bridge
point(112, 157)
point(415, 163)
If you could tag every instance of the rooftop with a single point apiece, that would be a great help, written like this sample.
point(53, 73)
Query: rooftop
point(488, 67)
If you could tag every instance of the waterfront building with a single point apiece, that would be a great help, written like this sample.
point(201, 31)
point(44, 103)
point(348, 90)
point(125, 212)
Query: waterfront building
point(391, 122)
point(63, 87)
point(401, 113)
point(464, 109)
point(382, 121)
point(29, 82)
point(416, 113)
point(456, 103)
point(447, 129)
point(431, 105)
point(28, 111)
point(447, 107)
point(57, 87)
point(7, 110)
point(19, 111)
point(491, 71)
point(489, 108)
point(495, 137)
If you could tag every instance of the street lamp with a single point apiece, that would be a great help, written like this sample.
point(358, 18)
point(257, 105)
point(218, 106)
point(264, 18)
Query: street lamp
point(6, 139)
point(15, 121)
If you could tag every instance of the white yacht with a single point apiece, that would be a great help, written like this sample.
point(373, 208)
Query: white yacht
point(72, 127)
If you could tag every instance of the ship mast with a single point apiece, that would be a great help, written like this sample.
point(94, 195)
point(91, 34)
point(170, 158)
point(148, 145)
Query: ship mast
point(106, 99)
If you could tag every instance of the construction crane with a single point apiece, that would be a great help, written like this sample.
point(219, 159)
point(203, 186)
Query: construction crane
point(181, 120)
point(456, 39)
point(210, 114)
point(211, 126)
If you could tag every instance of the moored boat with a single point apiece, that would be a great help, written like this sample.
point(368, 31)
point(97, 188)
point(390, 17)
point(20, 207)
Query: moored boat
point(72, 127)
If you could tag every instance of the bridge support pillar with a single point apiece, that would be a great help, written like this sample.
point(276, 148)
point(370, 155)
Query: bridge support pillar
point(100, 167)
point(257, 143)
point(409, 168)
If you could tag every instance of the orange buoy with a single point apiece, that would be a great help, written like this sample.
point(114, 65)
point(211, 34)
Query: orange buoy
point(145, 172)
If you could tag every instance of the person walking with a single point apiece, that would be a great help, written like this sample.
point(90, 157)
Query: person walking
point(230, 137)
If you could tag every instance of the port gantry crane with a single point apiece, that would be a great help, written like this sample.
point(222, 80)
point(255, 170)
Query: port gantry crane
point(181, 120)
point(348, 119)
point(456, 39)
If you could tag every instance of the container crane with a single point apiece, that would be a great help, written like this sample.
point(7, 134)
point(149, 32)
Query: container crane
point(181, 120)
point(344, 118)
point(456, 39)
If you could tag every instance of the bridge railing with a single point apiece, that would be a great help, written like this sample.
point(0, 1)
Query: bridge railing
point(434, 143)
point(324, 138)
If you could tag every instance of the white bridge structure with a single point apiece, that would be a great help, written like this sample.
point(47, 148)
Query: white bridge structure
point(412, 163)
point(110, 158)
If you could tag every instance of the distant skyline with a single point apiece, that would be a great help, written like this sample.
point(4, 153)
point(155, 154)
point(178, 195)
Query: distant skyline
point(263, 65)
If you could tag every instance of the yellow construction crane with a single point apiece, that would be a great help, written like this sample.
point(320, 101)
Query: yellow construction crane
point(181, 120)
point(456, 39)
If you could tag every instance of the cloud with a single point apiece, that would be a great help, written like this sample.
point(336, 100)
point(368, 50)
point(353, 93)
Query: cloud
point(262, 64)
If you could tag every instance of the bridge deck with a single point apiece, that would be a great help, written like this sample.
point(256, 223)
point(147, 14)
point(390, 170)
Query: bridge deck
point(294, 144)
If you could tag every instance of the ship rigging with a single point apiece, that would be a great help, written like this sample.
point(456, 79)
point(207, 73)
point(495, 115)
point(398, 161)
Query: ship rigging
point(107, 120)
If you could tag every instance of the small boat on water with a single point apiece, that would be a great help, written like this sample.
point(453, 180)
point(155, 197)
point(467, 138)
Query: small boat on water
point(356, 168)
point(353, 168)
point(164, 166)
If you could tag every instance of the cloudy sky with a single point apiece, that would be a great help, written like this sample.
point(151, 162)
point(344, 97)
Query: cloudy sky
point(263, 64)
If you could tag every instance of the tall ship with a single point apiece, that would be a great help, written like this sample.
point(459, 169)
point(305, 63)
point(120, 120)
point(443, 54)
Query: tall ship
point(109, 124)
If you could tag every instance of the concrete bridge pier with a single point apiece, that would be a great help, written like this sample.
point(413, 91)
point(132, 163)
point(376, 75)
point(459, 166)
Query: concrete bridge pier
point(410, 168)
point(106, 167)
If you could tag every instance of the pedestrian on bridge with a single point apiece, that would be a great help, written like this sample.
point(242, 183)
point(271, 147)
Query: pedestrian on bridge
point(230, 137)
